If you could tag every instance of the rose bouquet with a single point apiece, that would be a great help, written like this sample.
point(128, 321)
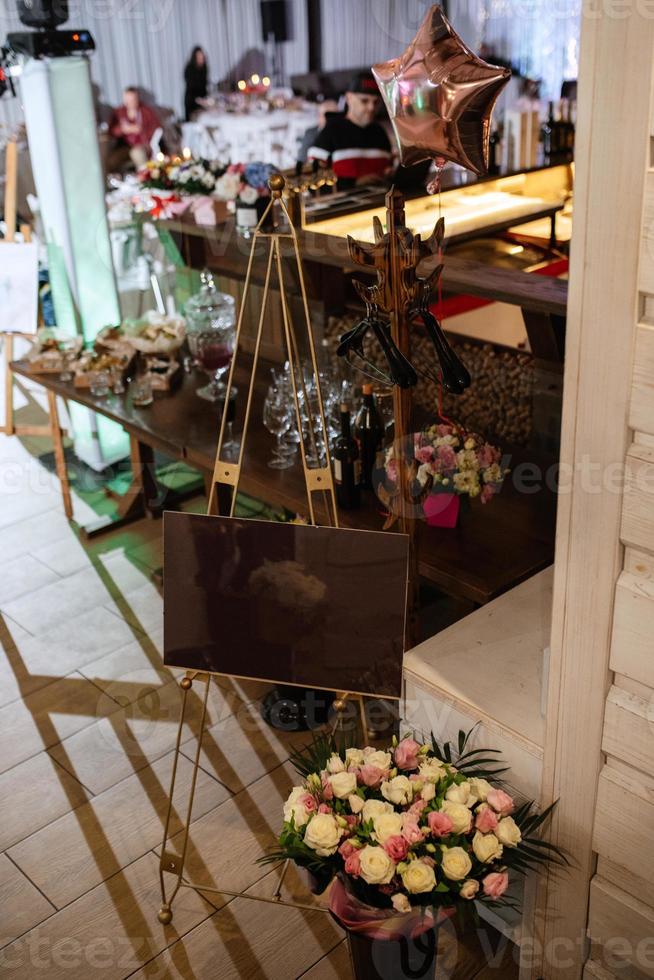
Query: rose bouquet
point(182, 176)
point(409, 835)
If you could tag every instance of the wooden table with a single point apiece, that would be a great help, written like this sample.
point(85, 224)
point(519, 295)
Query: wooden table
point(495, 547)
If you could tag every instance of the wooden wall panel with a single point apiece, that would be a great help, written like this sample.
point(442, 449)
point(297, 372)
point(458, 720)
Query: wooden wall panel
point(632, 640)
point(624, 820)
point(629, 729)
point(623, 927)
point(641, 413)
point(632, 884)
point(638, 502)
point(646, 277)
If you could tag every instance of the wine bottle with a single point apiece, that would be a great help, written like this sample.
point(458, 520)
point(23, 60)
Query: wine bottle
point(347, 467)
point(369, 434)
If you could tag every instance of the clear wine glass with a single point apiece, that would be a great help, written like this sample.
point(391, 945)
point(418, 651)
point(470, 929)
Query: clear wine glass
point(277, 419)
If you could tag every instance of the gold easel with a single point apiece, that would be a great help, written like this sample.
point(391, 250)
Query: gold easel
point(10, 428)
point(317, 479)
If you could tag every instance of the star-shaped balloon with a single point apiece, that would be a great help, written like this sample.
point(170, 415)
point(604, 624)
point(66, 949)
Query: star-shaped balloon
point(440, 97)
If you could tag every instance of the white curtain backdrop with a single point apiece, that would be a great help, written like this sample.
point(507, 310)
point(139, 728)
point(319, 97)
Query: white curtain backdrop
point(147, 42)
point(540, 37)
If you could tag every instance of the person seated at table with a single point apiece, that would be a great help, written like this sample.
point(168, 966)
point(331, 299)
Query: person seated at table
point(196, 74)
point(133, 125)
point(356, 146)
point(326, 111)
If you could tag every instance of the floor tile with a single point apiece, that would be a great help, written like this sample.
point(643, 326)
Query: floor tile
point(242, 748)
point(67, 646)
point(83, 848)
point(225, 844)
point(63, 600)
point(249, 941)
point(49, 715)
point(22, 536)
point(15, 679)
point(123, 673)
point(134, 737)
point(107, 933)
point(32, 794)
point(65, 556)
point(22, 906)
point(24, 574)
point(141, 608)
point(335, 966)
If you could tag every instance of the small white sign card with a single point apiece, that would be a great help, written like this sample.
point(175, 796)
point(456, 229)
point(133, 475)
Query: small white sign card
point(19, 287)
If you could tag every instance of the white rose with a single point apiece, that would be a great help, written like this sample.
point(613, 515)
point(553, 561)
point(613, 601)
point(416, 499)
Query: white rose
point(469, 888)
point(423, 474)
point(387, 825)
point(372, 809)
point(455, 864)
point(401, 903)
point(376, 866)
point(459, 793)
point(322, 834)
point(418, 877)
point(354, 757)
point(335, 763)
point(460, 816)
point(249, 195)
point(486, 847)
point(479, 788)
point(292, 808)
point(398, 790)
point(376, 758)
point(428, 792)
point(227, 187)
point(432, 769)
point(356, 803)
point(343, 784)
point(508, 832)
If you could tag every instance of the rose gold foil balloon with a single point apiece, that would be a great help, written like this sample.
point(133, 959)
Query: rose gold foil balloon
point(440, 97)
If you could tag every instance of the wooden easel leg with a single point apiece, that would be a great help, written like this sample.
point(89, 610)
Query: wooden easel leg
point(9, 427)
point(60, 460)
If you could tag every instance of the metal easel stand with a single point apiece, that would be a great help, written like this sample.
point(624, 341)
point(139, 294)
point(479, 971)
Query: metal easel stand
point(318, 479)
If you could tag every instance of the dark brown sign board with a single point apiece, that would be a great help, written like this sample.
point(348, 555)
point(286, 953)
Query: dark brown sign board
point(310, 606)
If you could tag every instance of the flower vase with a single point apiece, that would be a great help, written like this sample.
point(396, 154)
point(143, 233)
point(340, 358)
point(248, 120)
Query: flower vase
point(247, 219)
point(442, 509)
point(393, 959)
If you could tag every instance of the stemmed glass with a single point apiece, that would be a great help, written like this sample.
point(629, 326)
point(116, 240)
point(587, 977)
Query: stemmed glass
point(277, 419)
point(214, 350)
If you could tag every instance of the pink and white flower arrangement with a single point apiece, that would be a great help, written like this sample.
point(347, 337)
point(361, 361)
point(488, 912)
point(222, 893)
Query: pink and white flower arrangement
point(448, 460)
point(408, 827)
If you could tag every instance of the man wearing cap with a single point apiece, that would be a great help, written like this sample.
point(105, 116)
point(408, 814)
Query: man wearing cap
point(357, 147)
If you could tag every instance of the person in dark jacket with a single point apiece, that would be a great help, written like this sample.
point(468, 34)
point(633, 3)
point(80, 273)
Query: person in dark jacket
point(196, 76)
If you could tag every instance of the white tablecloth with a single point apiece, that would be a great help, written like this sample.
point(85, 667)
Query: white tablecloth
point(273, 137)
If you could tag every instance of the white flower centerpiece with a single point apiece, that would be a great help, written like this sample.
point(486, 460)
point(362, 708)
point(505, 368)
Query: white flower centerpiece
point(406, 836)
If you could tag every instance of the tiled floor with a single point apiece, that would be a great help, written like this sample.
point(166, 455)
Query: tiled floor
point(88, 716)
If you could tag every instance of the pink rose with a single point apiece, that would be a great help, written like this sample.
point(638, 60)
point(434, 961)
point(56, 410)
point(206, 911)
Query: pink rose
point(487, 493)
point(425, 454)
point(486, 820)
point(501, 802)
point(309, 802)
point(352, 819)
point(439, 824)
point(406, 754)
point(371, 776)
point(444, 430)
point(446, 457)
point(391, 470)
point(396, 847)
point(496, 884)
point(346, 848)
point(353, 864)
point(323, 808)
point(327, 791)
point(417, 807)
point(410, 829)
point(429, 861)
point(487, 455)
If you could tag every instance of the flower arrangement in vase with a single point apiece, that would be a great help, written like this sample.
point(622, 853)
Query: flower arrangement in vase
point(448, 464)
point(406, 837)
